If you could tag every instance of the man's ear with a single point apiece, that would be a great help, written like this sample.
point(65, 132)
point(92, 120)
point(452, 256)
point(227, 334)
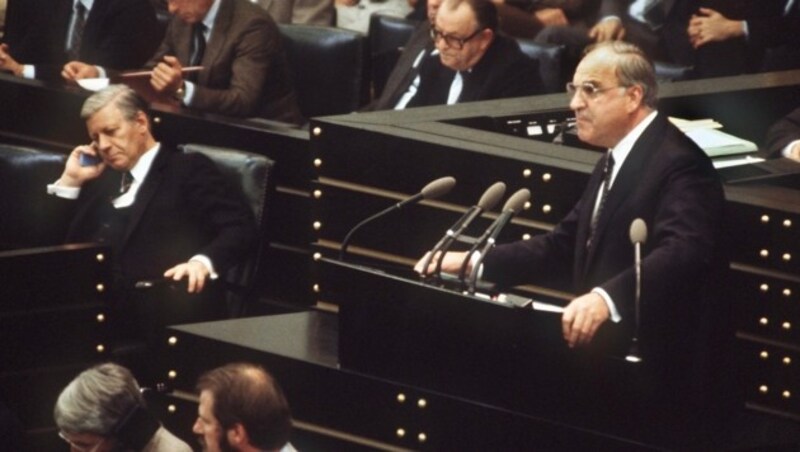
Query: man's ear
point(636, 96)
point(237, 435)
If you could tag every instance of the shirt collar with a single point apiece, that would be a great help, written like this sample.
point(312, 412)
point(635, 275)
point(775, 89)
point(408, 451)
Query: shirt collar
point(211, 15)
point(624, 147)
point(86, 4)
point(142, 167)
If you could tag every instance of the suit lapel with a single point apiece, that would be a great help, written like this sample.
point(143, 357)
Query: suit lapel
point(146, 191)
point(218, 39)
point(624, 184)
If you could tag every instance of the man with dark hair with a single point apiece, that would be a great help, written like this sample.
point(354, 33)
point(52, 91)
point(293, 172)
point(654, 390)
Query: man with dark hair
point(165, 213)
point(245, 72)
point(464, 61)
point(41, 36)
point(243, 409)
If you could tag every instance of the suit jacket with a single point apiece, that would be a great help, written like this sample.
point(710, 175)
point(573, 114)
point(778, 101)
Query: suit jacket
point(245, 69)
point(671, 184)
point(308, 12)
point(776, 29)
point(783, 132)
point(118, 34)
point(184, 207)
point(503, 71)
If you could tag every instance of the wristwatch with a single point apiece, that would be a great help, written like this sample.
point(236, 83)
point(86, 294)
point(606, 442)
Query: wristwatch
point(180, 93)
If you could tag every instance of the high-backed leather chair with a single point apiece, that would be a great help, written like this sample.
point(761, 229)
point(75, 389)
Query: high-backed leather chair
point(328, 68)
point(387, 37)
point(24, 174)
point(252, 173)
point(551, 63)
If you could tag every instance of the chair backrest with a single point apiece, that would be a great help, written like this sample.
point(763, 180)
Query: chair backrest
point(252, 174)
point(328, 68)
point(551, 63)
point(24, 175)
point(387, 37)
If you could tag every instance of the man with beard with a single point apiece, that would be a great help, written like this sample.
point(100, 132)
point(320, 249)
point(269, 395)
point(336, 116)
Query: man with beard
point(242, 409)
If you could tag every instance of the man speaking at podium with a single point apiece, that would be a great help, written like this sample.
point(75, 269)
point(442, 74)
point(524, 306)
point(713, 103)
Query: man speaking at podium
point(651, 171)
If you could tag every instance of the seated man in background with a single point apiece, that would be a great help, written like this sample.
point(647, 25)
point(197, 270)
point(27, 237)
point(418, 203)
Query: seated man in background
point(306, 12)
point(242, 408)
point(245, 72)
point(773, 29)
point(165, 213)
point(41, 36)
point(102, 410)
point(783, 138)
point(466, 61)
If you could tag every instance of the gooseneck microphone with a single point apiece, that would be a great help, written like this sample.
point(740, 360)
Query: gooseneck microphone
point(513, 206)
point(433, 190)
point(638, 234)
point(488, 200)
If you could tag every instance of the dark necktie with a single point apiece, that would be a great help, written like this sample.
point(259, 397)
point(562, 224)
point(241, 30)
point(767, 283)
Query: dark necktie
point(125, 182)
point(77, 31)
point(608, 170)
point(198, 43)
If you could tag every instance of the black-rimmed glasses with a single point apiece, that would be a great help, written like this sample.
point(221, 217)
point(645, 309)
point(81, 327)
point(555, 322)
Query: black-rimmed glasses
point(452, 41)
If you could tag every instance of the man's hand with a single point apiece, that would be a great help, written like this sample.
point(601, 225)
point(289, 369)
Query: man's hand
point(582, 317)
point(551, 16)
point(195, 271)
point(8, 63)
point(709, 26)
point(167, 77)
point(451, 263)
point(607, 30)
point(76, 70)
point(74, 174)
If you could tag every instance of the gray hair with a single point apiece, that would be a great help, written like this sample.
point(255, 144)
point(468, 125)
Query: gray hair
point(126, 99)
point(97, 400)
point(633, 67)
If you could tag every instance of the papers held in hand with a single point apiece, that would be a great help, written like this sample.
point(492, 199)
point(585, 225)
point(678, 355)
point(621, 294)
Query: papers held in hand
point(98, 83)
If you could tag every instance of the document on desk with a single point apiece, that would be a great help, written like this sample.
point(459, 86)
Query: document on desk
point(719, 144)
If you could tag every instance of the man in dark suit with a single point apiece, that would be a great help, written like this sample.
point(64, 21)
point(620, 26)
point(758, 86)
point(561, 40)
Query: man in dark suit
point(465, 62)
point(164, 213)
point(658, 175)
point(42, 35)
point(783, 138)
point(245, 72)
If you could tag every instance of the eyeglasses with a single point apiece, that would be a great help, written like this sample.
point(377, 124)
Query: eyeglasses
point(452, 41)
point(588, 90)
point(81, 447)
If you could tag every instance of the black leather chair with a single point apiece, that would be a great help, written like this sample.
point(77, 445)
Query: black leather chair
point(24, 174)
point(252, 173)
point(328, 68)
point(551, 63)
point(387, 37)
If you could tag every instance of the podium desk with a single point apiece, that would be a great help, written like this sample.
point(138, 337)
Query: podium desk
point(301, 350)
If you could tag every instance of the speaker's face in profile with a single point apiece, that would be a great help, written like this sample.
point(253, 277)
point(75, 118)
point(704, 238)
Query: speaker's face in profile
point(209, 431)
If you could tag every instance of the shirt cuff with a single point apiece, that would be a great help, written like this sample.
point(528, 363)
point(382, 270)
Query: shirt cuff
point(787, 151)
point(612, 308)
point(29, 71)
point(187, 98)
point(207, 263)
point(62, 191)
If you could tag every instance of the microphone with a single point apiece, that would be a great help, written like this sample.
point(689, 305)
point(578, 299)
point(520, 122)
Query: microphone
point(513, 205)
point(488, 200)
point(638, 234)
point(434, 189)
